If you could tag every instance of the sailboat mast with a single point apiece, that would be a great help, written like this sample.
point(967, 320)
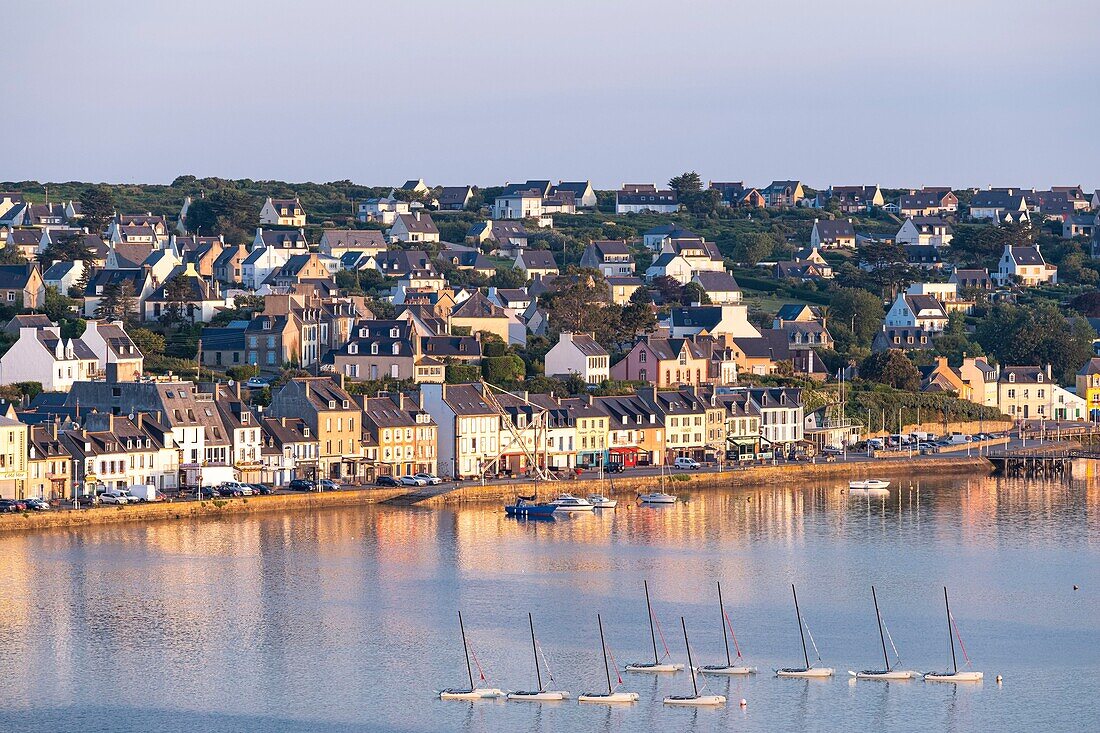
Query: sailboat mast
point(603, 648)
point(950, 636)
point(691, 665)
point(881, 638)
point(801, 633)
point(535, 650)
point(652, 633)
point(466, 649)
point(722, 620)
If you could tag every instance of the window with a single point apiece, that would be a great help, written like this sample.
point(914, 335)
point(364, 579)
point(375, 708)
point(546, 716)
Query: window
point(641, 358)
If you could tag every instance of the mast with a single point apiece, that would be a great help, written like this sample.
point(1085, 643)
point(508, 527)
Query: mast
point(950, 637)
point(881, 638)
point(652, 634)
point(603, 648)
point(691, 666)
point(535, 649)
point(465, 648)
point(801, 633)
point(722, 620)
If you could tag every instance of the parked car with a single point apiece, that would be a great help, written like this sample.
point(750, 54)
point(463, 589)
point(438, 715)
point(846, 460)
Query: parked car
point(301, 484)
point(257, 383)
point(327, 484)
point(206, 492)
point(687, 464)
point(413, 481)
point(7, 506)
point(38, 505)
point(238, 488)
point(615, 468)
point(832, 450)
point(113, 496)
point(261, 490)
point(431, 479)
point(386, 481)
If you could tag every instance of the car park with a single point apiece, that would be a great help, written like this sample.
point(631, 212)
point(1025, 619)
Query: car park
point(386, 481)
point(431, 479)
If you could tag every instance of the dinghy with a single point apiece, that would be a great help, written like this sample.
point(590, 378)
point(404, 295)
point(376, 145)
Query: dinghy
point(611, 696)
point(471, 692)
point(870, 484)
point(888, 672)
point(659, 664)
point(695, 698)
point(955, 675)
point(806, 671)
point(541, 694)
point(729, 667)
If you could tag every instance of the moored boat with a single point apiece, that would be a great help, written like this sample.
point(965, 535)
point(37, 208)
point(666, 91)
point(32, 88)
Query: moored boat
point(611, 696)
point(888, 672)
point(570, 503)
point(599, 501)
point(659, 664)
point(471, 692)
point(657, 497)
point(869, 484)
point(732, 666)
point(541, 694)
point(955, 675)
point(806, 671)
point(526, 506)
point(695, 699)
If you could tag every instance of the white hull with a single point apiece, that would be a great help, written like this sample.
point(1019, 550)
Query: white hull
point(696, 700)
point(658, 498)
point(720, 669)
point(957, 677)
point(481, 693)
point(548, 696)
point(871, 484)
point(602, 502)
point(894, 674)
point(642, 667)
point(606, 699)
point(574, 508)
point(570, 503)
point(801, 672)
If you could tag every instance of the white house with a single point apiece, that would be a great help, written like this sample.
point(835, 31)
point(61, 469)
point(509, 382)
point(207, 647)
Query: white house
point(917, 311)
point(638, 198)
point(670, 265)
point(700, 254)
point(525, 204)
point(720, 287)
point(711, 320)
point(832, 234)
point(581, 354)
point(283, 212)
point(415, 227)
point(925, 230)
point(63, 275)
point(468, 428)
point(383, 210)
point(260, 263)
point(42, 355)
point(1024, 265)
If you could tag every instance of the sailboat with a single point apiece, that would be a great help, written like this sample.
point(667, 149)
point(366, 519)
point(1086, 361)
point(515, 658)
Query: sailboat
point(658, 497)
point(542, 694)
point(955, 675)
point(471, 692)
point(887, 672)
point(695, 698)
point(806, 671)
point(729, 667)
point(610, 696)
point(658, 665)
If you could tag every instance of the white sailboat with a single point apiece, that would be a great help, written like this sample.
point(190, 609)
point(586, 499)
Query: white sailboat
point(659, 664)
point(806, 671)
point(873, 485)
point(729, 667)
point(955, 675)
point(887, 672)
point(611, 696)
point(658, 497)
point(570, 503)
point(695, 698)
point(541, 694)
point(471, 692)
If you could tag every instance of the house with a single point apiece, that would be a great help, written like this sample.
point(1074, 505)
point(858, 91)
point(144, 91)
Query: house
point(116, 452)
point(1003, 205)
point(382, 210)
point(656, 237)
point(622, 288)
point(42, 355)
point(635, 431)
point(137, 283)
point(293, 240)
point(795, 313)
point(711, 320)
point(584, 196)
point(919, 311)
point(781, 415)
point(730, 192)
point(510, 237)
point(49, 463)
point(924, 256)
point(332, 416)
point(591, 427)
point(720, 287)
point(971, 279)
point(742, 426)
point(783, 193)
point(468, 428)
point(1080, 225)
point(518, 299)
point(415, 227)
point(580, 354)
point(455, 198)
point(832, 234)
point(301, 268)
point(387, 349)
point(13, 450)
point(1088, 387)
point(908, 338)
point(924, 231)
point(202, 251)
point(803, 335)
point(804, 270)
point(1029, 393)
point(854, 199)
point(288, 451)
point(700, 254)
point(25, 242)
point(686, 422)
point(63, 275)
point(404, 434)
point(1025, 266)
point(663, 362)
point(478, 313)
point(981, 379)
point(198, 301)
point(21, 286)
point(537, 264)
point(670, 264)
point(229, 265)
point(611, 257)
point(940, 377)
point(148, 227)
point(636, 198)
point(337, 242)
point(283, 213)
point(260, 263)
point(929, 201)
point(469, 259)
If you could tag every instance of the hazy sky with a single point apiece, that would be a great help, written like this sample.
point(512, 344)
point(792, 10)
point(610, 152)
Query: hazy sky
point(953, 92)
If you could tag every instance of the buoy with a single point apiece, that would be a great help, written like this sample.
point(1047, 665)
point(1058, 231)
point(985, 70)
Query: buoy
point(998, 679)
point(744, 703)
point(1076, 587)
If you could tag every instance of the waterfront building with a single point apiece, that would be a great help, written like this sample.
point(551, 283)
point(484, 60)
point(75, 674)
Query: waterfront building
point(635, 431)
point(403, 433)
point(468, 426)
point(13, 457)
point(592, 427)
point(580, 354)
point(1088, 387)
point(332, 416)
point(288, 451)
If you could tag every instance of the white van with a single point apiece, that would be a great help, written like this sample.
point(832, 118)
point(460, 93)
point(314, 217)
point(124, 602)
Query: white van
point(687, 464)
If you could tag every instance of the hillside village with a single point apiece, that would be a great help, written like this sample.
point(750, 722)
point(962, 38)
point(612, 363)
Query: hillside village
point(215, 330)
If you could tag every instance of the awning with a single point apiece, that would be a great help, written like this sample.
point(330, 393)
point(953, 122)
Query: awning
point(623, 451)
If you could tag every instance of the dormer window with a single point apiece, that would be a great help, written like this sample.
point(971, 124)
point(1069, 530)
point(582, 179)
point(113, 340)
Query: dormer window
point(345, 404)
point(305, 432)
point(1012, 377)
point(396, 349)
point(374, 348)
point(332, 404)
point(1039, 377)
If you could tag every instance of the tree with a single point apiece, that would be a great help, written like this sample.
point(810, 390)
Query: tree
point(68, 248)
point(11, 256)
point(227, 211)
point(669, 288)
point(955, 342)
point(57, 306)
point(149, 343)
point(752, 247)
point(892, 368)
point(508, 277)
point(502, 369)
point(177, 294)
point(884, 266)
point(242, 372)
point(118, 302)
point(1036, 335)
point(1087, 304)
point(855, 316)
point(689, 192)
point(97, 208)
point(694, 293)
point(686, 183)
point(638, 316)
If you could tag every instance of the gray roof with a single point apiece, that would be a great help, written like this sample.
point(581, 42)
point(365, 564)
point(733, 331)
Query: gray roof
point(539, 260)
point(716, 282)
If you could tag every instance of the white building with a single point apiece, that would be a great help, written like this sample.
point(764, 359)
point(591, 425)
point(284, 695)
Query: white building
point(42, 355)
point(382, 210)
point(581, 354)
point(917, 311)
point(1024, 265)
point(260, 263)
point(283, 212)
point(469, 428)
point(925, 230)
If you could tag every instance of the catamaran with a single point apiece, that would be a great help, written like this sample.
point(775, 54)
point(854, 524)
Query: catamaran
point(542, 694)
point(955, 675)
point(570, 503)
point(887, 672)
point(729, 667)
point(806, 671)
point(611, 696)
point(471, 692)
point(695, 698)
point(659, 664)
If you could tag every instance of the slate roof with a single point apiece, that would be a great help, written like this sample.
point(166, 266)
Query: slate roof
point(478, 306)
point(830, 230)
point(716, 282)
point(421, 225)
point(539, 260)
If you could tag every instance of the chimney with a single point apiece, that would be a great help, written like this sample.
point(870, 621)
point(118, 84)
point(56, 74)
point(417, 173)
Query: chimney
point(1048, 370)
point(140, 420)
point(111, 422)
point(237, 385)
point(306, 383)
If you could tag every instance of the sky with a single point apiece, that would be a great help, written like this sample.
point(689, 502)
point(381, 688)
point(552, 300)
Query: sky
point(840, 92)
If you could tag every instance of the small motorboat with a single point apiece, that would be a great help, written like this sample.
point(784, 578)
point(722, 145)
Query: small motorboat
point(542, 694)
point(471, 692)
point(527, 507)
point(659, 664)
point(806, 671)
point(869, 484)
point(955, 675)
point(570, 503)
point(729, 668)
point(887, 672)
point(599, 501)
point(611, 696)
point(695, 699)
point(657, 497)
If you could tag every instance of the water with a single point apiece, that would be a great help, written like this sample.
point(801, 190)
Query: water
point(344, 619)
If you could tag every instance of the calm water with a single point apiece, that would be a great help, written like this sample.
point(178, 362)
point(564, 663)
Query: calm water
point(344, 620)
